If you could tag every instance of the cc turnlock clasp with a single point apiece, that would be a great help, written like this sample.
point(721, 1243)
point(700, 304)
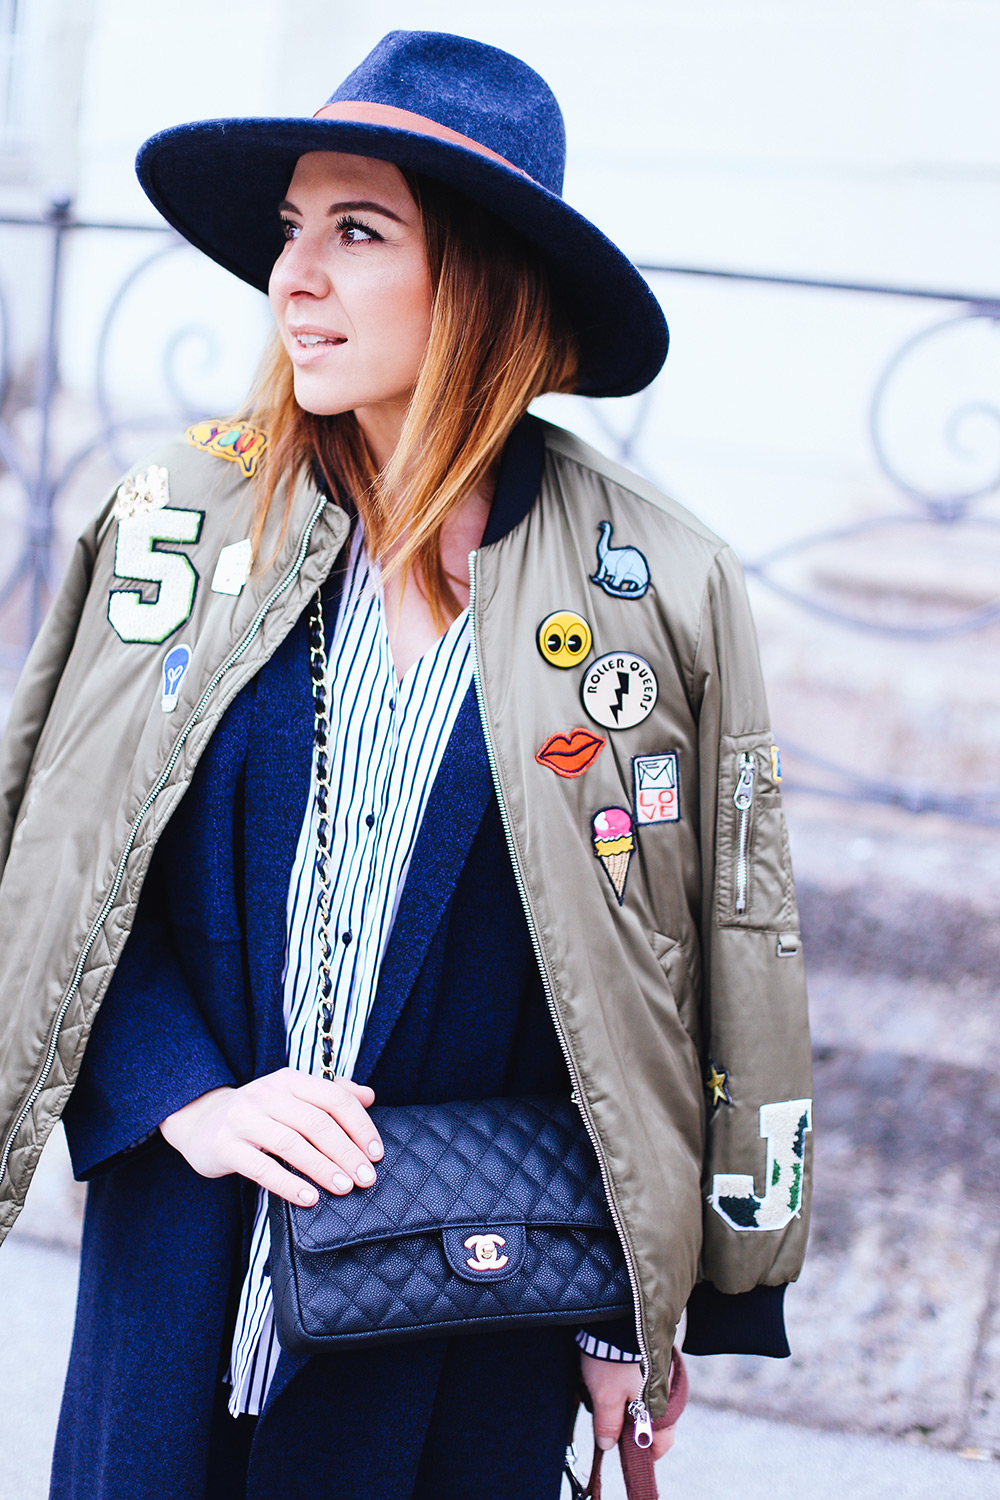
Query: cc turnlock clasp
point(486, 1247)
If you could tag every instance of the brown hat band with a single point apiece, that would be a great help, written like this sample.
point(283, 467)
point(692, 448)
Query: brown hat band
point(362, 112)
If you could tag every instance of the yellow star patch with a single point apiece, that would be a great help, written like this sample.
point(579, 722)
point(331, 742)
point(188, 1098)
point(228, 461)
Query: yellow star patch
point(718, 1085)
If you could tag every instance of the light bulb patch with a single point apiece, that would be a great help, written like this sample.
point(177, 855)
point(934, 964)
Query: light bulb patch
point(175, 664)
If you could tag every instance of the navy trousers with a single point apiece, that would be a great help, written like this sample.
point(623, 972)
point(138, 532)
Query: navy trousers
point(440, 1420)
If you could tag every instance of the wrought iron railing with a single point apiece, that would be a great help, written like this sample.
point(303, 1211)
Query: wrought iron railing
point(42, 479)
point(947, 509)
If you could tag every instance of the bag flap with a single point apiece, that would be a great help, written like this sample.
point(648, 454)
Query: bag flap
point(491, 1161)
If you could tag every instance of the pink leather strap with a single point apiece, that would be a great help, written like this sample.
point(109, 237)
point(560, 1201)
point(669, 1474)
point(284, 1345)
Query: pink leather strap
point(362, 112)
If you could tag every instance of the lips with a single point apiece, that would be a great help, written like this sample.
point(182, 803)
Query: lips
point(313, 331)
point(308, 344)
point(570, 754)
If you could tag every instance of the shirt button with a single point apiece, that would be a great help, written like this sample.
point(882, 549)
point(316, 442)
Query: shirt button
point(346, 938)
point(392, 704)
point(370, 820)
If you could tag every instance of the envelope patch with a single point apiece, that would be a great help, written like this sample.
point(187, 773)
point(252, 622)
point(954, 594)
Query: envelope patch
point(657, 788)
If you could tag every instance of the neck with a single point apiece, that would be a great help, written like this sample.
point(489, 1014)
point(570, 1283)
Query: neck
point(382, 426)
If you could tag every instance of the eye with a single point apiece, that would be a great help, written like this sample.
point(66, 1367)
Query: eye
point(355, 232)
point(289, 229)
point(554, 641)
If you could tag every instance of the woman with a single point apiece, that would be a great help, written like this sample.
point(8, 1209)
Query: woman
point(479, 799)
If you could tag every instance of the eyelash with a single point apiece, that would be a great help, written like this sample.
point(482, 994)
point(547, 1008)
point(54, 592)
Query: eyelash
point(346, 222)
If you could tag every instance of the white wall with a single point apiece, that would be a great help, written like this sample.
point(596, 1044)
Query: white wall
point(856, 138)
point(846, 140)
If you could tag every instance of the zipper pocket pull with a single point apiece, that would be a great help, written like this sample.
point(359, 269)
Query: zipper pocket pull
point(639, 1412)
point(743, 795)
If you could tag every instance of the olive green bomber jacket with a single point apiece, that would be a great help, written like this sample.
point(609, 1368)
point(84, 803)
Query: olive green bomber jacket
point(638, 787)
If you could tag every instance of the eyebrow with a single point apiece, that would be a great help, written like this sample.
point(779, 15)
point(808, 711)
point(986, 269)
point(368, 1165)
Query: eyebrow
point(360, 205)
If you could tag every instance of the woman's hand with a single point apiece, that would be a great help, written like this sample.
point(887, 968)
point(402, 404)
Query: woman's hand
point(321, 1128)
point(612, 1385)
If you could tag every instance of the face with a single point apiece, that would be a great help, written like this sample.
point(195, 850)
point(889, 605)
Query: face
point(351, 290)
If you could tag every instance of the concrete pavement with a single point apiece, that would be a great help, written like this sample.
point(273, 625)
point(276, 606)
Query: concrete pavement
point(723, 1453)
point(37, 1297)
point(716, 1451)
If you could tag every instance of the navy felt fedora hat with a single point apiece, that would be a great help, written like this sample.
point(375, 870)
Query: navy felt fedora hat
point(467, 114)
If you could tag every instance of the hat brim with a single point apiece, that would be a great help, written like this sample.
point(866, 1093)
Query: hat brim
point(219, 182)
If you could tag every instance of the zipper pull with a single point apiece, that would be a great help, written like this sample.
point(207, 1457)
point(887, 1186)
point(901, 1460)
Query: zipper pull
point(743, 795)
point(743, 800)
point(639, 1412)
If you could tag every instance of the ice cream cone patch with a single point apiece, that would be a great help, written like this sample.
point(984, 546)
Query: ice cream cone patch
point(614, 845)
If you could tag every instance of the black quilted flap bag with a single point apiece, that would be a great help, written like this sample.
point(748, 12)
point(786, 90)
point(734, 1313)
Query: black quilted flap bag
point(488, 1214)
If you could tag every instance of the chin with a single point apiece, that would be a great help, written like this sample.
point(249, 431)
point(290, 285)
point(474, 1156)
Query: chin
point(312, 397)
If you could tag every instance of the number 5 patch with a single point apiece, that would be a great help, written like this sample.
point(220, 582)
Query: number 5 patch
point(139, 556)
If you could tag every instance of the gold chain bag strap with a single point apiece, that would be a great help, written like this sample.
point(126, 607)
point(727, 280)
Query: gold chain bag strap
point(321, 736)
point(334, 1271)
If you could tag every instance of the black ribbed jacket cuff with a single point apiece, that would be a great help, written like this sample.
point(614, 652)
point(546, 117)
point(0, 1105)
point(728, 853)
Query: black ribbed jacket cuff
point(748, 1323)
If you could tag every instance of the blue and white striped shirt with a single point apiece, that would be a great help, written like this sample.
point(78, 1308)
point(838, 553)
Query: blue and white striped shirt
point(387, 738)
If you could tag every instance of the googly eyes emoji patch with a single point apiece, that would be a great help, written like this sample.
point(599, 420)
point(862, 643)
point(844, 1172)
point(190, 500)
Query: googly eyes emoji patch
point(564, 638)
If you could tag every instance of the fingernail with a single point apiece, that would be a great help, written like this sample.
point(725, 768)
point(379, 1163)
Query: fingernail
point(341, 1184)
point(605, 1443)
point(366, 1173)
point(308, 1195)
point(376, 1151)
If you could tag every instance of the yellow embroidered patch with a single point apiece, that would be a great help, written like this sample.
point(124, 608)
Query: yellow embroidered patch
point(237, 441)
point(717, 1084)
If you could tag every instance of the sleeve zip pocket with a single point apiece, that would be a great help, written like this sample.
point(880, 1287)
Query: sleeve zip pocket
point(743, 802)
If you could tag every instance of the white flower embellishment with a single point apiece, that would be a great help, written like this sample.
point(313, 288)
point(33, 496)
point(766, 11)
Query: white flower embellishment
point(142, 492)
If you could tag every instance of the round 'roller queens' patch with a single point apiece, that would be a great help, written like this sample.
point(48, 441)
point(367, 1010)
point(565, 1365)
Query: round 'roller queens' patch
point(619, 690)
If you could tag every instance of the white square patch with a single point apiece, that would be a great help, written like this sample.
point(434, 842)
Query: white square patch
point(233, 567)
point(657, 788)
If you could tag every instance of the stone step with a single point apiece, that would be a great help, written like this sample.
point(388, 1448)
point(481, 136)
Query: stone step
point(885, 891)
point(893, 1325)
point(920, 709)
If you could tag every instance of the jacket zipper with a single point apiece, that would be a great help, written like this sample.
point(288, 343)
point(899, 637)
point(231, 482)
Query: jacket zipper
point(743, 802)
point(234, 656)
point(637, 1409)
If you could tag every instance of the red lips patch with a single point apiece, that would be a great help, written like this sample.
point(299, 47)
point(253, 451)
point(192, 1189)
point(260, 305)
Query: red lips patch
point(570, 754)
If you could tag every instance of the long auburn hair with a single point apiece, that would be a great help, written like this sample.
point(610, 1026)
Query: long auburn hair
point(497, 340)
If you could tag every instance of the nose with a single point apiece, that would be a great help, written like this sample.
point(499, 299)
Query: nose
point(298, 271)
